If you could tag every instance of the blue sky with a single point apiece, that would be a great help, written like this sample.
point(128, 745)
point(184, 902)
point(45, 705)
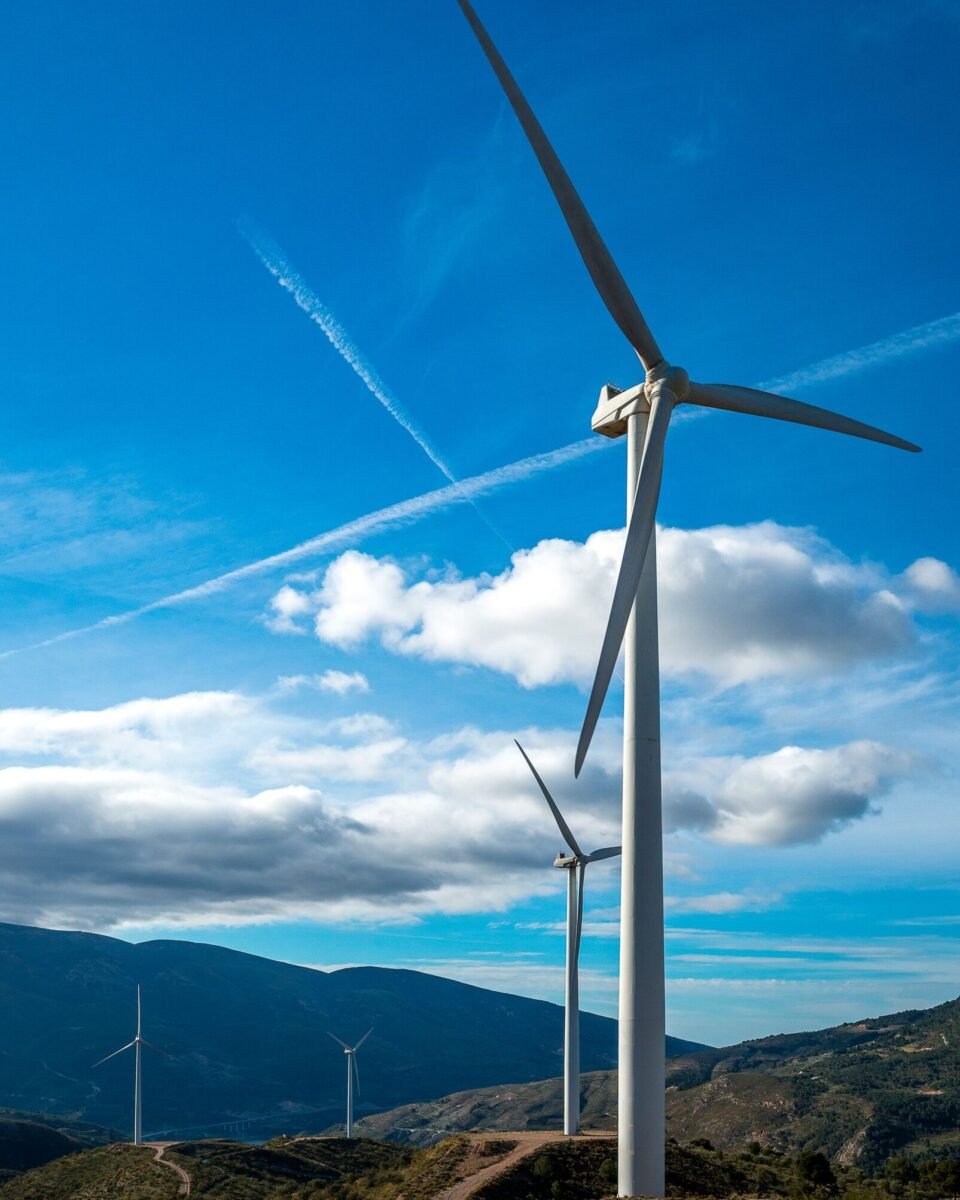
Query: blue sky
point(313, 759)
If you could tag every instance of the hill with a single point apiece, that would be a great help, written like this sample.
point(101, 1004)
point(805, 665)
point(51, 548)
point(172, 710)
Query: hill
point(28, 1141)
point(858, 1093)
point(247, 1037)
point(516, 1166)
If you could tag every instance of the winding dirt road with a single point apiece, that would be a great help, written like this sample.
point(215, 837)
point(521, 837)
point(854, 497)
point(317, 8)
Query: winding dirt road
point(527, 1144)
point(159, 1150)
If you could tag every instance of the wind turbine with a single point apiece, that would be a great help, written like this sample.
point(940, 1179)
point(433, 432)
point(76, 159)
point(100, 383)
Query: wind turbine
point(135, 1045)
point(352, 1069)
point(575, 864)
point(642, 413)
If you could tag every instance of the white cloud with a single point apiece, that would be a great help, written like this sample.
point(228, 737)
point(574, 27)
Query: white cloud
point(721, 903)
point(338, 682)
point(932, 585)
point(792, 796)
point(285, 607)
point(737, 604)
point(215, 808)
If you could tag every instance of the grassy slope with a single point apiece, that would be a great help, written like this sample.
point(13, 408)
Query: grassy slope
point(117, 1172)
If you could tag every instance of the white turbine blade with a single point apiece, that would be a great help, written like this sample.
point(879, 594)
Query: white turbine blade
point(337, 1040)
point(766, 404)
point(356, 1072)
point(557, 816)
point(364, 1038)
point(603, 270)
point(581, 872)
point(138, 1010)
point(639, 531)
point(606, 852)
point(128, 1046)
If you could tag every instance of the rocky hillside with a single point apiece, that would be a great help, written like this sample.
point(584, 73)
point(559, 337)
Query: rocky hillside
point(859, 1093)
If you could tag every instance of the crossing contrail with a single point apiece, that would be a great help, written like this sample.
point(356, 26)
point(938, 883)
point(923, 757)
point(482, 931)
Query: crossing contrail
point(910, 341)
point(276, 262)
point(466, 491)
point(406, 512)
point(307, 300)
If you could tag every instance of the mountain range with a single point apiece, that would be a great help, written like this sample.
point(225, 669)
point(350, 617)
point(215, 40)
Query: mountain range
point(244, 1039)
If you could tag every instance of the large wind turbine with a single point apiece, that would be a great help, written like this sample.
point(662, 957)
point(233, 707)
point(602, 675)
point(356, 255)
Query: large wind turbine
point(352, 1070)
point(642, 413)
point(135, 1045)
point(575, 864)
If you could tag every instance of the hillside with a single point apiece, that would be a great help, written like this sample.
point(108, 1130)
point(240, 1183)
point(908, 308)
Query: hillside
point(246, 1037)
point(28, 1141)
point(516, 1166)
point(858, 1093)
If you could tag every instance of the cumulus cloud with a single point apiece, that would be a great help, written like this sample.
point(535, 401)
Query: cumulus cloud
point(737, 604)
point(214, 808)
point(932, 586)
point(789, 797)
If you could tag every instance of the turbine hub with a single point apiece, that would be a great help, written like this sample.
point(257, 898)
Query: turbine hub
point(664, 375)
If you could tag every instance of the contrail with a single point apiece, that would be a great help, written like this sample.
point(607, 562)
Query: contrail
point(276, 262)
point(465, 491)
point(921, 337)
point(291, 281)
point(406, 512)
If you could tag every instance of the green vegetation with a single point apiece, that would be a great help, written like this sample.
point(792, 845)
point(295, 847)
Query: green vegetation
point(116, 1172)
point(857, 1094)
point(565, 1169)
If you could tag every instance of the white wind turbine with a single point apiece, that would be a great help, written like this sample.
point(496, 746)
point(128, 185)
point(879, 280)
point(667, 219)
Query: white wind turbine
point(135, 1045)
point(352, 1070)
point(575, 865)
point(643, 414)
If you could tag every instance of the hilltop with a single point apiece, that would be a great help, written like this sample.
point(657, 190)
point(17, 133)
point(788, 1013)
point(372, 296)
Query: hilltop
point(858, 1093)
point(247, 1036)
point(514, 1166)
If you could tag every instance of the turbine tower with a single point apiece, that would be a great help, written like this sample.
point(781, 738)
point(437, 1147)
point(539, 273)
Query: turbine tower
point(575, 864)
point(642, 414)
point(135, 1045)
point(352, 1070)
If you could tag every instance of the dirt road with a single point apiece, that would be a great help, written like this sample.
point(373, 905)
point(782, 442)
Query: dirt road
point(159, 1150)
point(527, 1143)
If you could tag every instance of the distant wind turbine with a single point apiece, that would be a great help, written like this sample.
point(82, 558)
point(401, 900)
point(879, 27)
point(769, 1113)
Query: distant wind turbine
point(135, 1045)
point(642, 413)
point(576, 866)
point(352, 1070)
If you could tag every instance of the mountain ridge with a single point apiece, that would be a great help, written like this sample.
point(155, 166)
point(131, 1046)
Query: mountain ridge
point(246, 1034)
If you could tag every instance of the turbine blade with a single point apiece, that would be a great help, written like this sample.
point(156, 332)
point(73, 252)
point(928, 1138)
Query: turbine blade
point(356, 1072)
point(155, 1049)
point(581, 873)
point(606, 852)
point(364, 1038)
point(337, 1040)
point(557, 816)
point(138, 1010)
point(603, 270)
point(639, 531)
point(765, 404)
point(114, 1054)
